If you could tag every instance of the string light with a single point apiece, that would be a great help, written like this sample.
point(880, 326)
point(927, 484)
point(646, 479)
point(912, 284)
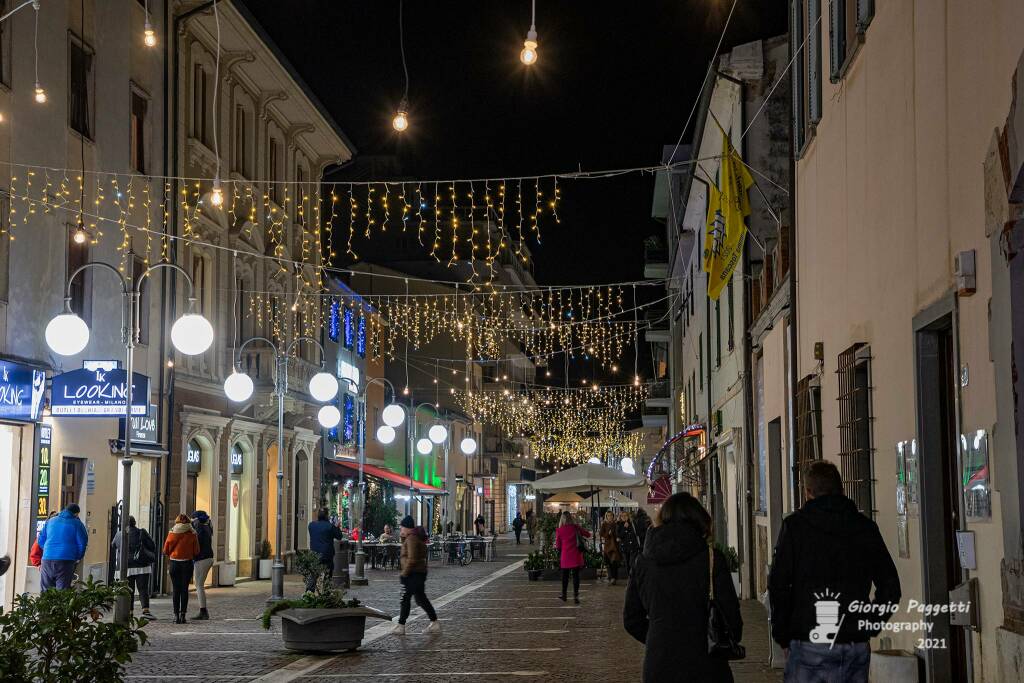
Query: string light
point(38, 93)
point(401, 121)
point(148, 34)
point(528, 55)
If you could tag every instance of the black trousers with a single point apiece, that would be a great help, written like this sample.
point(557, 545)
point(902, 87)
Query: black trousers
point(613, 568)
point(518, 533)
point(140, 582)
point(181, 575)
point(575, 571)
point(414, 586)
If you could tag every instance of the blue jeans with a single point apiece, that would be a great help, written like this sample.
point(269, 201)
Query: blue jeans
point(842, 663)
point(57, 573)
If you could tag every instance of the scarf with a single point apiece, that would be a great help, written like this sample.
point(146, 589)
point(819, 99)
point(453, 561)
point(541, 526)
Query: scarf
point(182, 529)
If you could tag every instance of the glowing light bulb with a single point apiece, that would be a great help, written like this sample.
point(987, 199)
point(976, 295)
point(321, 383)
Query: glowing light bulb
point(217, 195)
point(39, 93)
point(149, 35)
point(528, 55)
point(80, 236)
point(401, 121)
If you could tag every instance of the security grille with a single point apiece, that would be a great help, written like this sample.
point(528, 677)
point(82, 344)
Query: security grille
point(808, 430)
point(856, 453)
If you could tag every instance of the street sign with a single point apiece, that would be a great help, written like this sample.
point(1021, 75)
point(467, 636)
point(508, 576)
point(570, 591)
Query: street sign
point(99, 393)
point(22, 388)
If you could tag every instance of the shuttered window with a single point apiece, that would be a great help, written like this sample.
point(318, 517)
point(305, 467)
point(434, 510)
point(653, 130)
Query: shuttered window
point(848, 22)
point(808, 431)
point(805, 44)
point(856, 454)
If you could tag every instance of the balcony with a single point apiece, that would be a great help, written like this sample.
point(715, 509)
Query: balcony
point(655, 259)
point(660, 395)
point(657, 330)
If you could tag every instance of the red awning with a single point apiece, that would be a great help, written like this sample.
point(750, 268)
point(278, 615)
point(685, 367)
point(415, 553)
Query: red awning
point(351, 469)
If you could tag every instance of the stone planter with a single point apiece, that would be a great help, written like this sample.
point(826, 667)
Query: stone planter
point(534, 574)
point(226, 574)
point(556, 574)
point(588, 573)
point(266, 568)
point(326, 630)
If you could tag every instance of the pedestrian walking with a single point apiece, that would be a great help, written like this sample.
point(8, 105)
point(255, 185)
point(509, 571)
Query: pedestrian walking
point(626, 536)
point(414, 575)
point(63, 539)
point(141, 556)
point(828, 551)
point(204, 559)
point(517, 526)
point(480, 526)
point(181, 547)
point(642, 522)
point(531, 525)
point(610, 548)
point(667, 598)
point(322, 535)
point(569, 544)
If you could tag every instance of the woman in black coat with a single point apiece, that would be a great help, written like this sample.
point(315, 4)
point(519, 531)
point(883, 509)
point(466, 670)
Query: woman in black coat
point(629, 545)
point(667, 597)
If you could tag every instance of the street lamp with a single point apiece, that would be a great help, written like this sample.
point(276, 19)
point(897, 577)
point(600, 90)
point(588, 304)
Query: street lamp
point(67, 335)
point(322, 387)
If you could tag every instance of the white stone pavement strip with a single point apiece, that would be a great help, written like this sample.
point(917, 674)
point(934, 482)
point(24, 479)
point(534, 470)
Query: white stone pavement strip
point(305, 666)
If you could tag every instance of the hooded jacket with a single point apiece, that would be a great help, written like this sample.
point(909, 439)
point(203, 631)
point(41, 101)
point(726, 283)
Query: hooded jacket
point(181, 543)
point(64, 538)
point(667, 605)
point(413, 558)
point(827, 550)
point(204, 535)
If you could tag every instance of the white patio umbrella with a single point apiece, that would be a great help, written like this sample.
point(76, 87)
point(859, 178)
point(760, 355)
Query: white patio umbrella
point(591, 477)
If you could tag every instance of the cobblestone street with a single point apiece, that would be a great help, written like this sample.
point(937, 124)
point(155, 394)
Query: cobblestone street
point(496, 625)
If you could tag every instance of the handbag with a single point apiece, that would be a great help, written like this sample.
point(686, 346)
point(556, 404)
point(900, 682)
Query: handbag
point(141, 556)
point(721, 643)
point(581, 543)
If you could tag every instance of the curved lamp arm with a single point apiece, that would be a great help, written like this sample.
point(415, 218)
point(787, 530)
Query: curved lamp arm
point(92, 264)
point(293, 342)
point(238, 351)
point(378, 380)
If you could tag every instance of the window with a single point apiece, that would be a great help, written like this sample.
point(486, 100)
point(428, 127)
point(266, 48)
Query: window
point(242, 136)
point(144, 300)
point(199, 283)
point(241, 306)
point(80, 82)
point(78, 255)
point(200, 83)
point(275, 190)
point(806, 69)
point(5, 249)
point(808, 431)
point(691, 290)
point(848, 21)
point(137, 133)
point(700, 359)
point(856, 452)
point(732, 315)
point(718, 332)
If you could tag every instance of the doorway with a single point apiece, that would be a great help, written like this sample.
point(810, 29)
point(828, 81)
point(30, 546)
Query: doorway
point(937, 425)
point(299, 492)
point(71, 481)
point(775, 469)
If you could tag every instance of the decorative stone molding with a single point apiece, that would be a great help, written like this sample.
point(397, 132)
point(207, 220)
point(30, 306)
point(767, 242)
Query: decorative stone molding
point(264, 101)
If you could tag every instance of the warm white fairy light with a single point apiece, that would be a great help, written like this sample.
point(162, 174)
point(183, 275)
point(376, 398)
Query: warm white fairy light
point(528, 55)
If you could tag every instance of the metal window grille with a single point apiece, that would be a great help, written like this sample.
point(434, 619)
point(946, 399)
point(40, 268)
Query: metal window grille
point(856, 453)
point(808, 430)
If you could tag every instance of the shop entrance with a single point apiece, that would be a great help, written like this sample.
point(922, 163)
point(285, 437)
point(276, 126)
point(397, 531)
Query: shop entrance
point(71, 481)
point(10, 466)
point(939, 476)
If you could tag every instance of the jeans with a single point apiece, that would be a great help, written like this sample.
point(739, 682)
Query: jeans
point(181, 574)
point(839, 663)
point(140, 582)
point(57, 573)
point(202, 568)
point(413, 586)
point(575, 571)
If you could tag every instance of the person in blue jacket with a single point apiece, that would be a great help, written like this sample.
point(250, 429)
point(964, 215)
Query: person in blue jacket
point(63, 540)
point(321, 541)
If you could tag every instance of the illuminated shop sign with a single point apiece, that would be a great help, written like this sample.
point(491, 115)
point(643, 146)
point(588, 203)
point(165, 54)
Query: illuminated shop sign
point(21, 392)
point(99, 393)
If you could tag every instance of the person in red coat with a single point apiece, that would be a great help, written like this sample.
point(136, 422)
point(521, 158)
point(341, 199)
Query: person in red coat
point(570, 555)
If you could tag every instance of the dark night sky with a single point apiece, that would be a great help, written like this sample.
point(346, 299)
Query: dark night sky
point(614, 83)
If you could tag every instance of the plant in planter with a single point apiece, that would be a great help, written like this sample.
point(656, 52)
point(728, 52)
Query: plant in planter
point(266, 564)
point(322, 620)
point(60, 635)
point(535, 564)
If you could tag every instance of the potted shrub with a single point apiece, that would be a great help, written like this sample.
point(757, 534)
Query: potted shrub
point(733, 561)
point(61, 635)
point(322, 620)
point(592, 561)
point(534, 565)
point(266, 563)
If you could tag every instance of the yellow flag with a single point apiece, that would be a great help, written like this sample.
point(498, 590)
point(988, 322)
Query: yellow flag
point(726, 227)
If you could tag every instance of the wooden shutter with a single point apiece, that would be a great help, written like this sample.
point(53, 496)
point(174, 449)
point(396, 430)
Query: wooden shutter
point(814, 60)
point(836, 38)
point(796, 36)
point(865, 13)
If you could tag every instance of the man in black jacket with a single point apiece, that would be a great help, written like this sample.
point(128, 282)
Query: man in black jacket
point(828, 555)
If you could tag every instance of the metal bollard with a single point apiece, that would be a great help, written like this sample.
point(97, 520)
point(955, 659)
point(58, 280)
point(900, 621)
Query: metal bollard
point(339, 579)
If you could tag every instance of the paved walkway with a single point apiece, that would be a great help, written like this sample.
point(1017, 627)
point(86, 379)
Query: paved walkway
point(496, 625)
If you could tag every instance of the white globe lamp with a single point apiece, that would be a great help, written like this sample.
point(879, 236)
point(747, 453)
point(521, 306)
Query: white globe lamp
point(594, 461)
point(393, 415)
point(438, 434)
point(385, 434)
point(67, 334)
point(329, 416)
point(424, 447)
point(238, 386)
point(468, 445)
point(323, 387)
point(627, 466)
point(192, 334)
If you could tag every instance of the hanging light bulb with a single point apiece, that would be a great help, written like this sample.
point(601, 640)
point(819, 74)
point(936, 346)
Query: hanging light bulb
point(80, 236)
point(149, 35)
point(528, 55)
point(40, 94)
point(217, 195)
point(401, 120)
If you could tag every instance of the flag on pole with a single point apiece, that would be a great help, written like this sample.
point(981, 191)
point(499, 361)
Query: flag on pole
point(728, 208)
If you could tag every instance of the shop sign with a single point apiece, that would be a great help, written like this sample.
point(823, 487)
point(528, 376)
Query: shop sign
point(236, 457)
point(193, 457)
point(144, 427)
point(21, 391)
point(98, 393)
point(42, 478)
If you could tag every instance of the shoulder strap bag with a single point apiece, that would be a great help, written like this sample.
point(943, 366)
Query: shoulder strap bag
point(721, 643)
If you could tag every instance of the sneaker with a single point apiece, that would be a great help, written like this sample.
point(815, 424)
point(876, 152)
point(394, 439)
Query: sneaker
point(398, 630)
point(435, 627)
point(562, 598)
point(148, 615)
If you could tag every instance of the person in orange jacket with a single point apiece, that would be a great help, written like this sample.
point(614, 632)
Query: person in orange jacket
point(181, 547)
point(35, 555)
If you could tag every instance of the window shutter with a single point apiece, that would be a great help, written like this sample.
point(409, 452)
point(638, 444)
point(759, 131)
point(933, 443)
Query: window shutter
point(865, 13)
point(796, 35)
point(836, 38)
point(814, 60)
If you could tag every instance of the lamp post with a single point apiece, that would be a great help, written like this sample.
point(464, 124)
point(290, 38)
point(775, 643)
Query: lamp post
point(67, 335)
point(322, 387)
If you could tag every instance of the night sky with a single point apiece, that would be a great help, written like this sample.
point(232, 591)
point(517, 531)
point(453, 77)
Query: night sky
point(613, 84)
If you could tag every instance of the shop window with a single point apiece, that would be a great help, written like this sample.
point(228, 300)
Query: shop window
point(81, 85)
point(193, 468)
point(856, 453)
point(137, 132)
point(808, 431)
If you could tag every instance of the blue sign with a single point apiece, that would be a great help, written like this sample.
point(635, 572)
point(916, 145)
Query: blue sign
point(21, 392)
point(99, 393)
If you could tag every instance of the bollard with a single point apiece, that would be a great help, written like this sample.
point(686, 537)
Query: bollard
point(339, 579)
